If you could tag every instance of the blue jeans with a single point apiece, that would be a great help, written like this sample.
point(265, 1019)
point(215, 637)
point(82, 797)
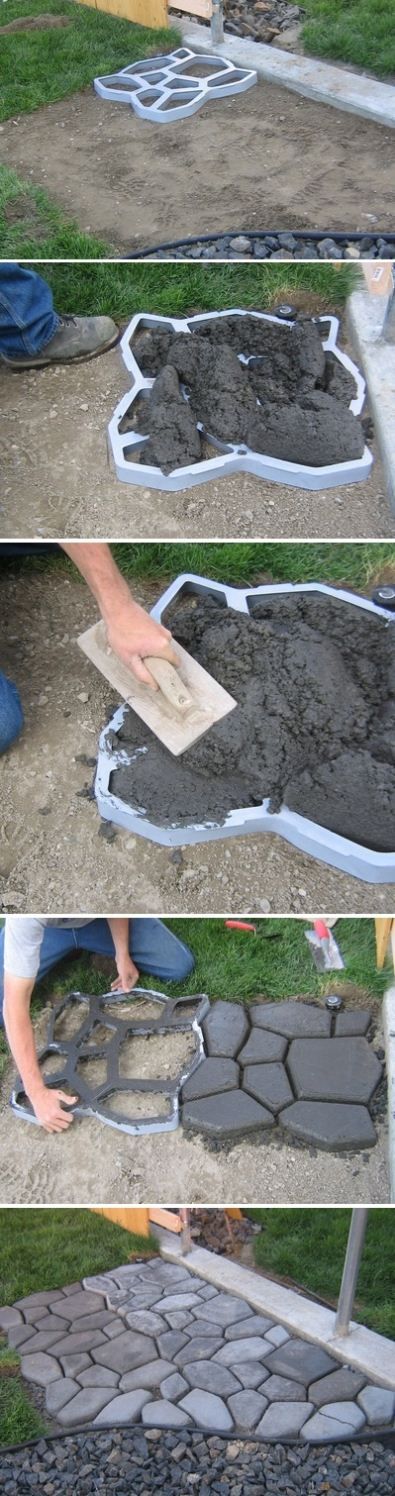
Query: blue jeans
point(11, 714)
point(27, 317)
point(153, 947)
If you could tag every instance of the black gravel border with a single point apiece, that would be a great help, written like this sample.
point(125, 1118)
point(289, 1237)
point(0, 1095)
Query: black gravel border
point(386, 1437)
point(265, 243)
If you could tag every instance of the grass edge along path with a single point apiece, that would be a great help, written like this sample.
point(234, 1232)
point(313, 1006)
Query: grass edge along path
point(358, 33)
point(308, 1246)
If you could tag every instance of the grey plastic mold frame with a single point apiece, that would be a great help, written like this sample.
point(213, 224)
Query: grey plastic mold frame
point(81, 1046)
point(231, 458)
point(308, 836)
point(160, 89)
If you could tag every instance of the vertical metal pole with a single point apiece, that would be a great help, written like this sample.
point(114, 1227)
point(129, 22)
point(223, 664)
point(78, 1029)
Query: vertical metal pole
point(356, 1238)
point(217, 23)
point(388, 332)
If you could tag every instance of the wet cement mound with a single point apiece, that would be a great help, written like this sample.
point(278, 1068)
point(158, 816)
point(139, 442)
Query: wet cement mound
point(290, 401)
point(314, 679)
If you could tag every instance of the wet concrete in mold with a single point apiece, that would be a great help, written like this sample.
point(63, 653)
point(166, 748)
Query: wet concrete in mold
point(290, 402)
point(314, 679)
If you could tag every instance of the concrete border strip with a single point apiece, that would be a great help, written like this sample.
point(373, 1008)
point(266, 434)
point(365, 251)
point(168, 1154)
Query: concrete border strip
point(356, 93)
point(365, 317)
point(389, 1040)
point(363, 1349)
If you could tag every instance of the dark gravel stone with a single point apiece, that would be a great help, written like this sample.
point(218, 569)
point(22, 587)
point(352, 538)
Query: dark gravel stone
point(298, 245)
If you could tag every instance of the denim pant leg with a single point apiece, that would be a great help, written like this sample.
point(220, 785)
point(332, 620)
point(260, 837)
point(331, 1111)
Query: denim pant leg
point(11, 714)
point(57, 942)
point(27, 317)
point(154, 948)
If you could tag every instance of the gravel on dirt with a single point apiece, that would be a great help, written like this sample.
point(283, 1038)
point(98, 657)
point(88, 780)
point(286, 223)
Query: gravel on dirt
point(284, 245)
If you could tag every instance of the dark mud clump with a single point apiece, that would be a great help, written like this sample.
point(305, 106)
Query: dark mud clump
point(290, 400)
point(173, 435)
point(314, 679)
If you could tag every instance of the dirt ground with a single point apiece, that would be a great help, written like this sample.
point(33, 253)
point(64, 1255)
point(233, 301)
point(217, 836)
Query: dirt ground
point(57, 478)
point(92, 1162)
point(299, 165)
point(53, 855)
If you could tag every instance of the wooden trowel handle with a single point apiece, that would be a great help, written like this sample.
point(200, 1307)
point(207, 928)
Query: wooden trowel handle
point(170, 684)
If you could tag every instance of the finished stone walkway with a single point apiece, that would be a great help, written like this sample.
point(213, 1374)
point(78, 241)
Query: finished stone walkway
point(154, 1343)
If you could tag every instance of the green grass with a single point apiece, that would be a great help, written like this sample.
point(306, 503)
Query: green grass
point(309, 1246)
point(38, 67)
point(47, 1249)
point(31, 226)
point(178, 289)
point(241, 563)
point(360, 32)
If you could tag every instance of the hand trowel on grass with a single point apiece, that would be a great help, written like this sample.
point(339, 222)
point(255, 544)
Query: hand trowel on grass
point(187, 704)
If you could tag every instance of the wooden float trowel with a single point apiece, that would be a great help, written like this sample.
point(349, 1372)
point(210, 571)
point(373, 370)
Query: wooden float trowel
point(187, 704)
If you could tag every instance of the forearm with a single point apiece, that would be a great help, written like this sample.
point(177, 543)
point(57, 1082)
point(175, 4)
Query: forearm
point(96, 564)
point(120, 932)
point(20, 1035)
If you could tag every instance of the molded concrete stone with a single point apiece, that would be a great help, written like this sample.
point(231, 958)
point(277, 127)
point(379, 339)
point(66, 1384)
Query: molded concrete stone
point(124, 1409)
point(337, 1420)
point(169, 1272)
point(146, 1321)
point(142, 1300)
point(39, 1298)
point(284, 1420)
point(378, 1405)
point(208, 1292)
point(44, 1342)
point(201, 1327)
point(126, 1352)
point(171, 1343)
point(114, 1327)
point(211, 1076)
point(173, 1387)
point(291, 1019)
point(71, 1288)
point(254, 1349)
point(261, 1047)
point(41, 1368)
point(178, 1301)
point(18, 1334)
point(10, 1318)
point(283, 1389)
point(72, 1365)
point(54, 1322)
point(226, 1310)
point(100, 1283)
point(277, 1336)
point(98, 1321)
point(197, 1350)
point(256, 1325)
point(178, 1319)
point(301, 1360)
point(76, 1304)
point(229, 1114)
point(329, 1124)
point(35, 1313)
point(247, 1408)
point(59, 1393)
point(164, 1414)
point(341, 1385)
point(211, 1377)
point(208, 1411)
point(345, 1070)
point(150, 1375)
point(225, 1029)
point(269, 1084)
point(250, 1373)
point(85, 1406)
point(354, 1021)
point(84, 1340)
point(98, 1376)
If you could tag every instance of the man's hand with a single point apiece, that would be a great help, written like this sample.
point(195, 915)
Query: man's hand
point(48, 1109)
point(133, 635)
point(128, 975)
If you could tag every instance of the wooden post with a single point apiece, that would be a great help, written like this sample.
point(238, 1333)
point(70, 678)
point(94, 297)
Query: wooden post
point(132, 1218)
point(150, 13)
point(385, 934)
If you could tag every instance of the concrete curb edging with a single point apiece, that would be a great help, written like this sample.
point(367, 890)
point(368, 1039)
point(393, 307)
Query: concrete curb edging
point(362, 1349)
point(356, 93)
point(389, 1040)
point(365, 318)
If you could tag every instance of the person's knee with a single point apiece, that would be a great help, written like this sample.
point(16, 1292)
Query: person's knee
point(187, 963)
point(11, 716)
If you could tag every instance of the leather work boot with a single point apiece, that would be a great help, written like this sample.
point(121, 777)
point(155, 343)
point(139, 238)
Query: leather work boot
point(77, 339)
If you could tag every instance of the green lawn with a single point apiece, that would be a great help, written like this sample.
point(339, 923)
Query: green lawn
point(37, 67)
point(241, 563)
point(360, 32)
point(121, 289)
point(309, 1245)
point(31, 226)
point(47, 1249)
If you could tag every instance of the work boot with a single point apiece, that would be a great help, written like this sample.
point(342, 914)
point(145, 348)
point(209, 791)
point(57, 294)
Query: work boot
point(77, 339)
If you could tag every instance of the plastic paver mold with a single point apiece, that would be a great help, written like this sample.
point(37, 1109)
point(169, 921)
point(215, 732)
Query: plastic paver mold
point(173, 86)
point(308, 836)
point(86, 1032)
point(231, 458)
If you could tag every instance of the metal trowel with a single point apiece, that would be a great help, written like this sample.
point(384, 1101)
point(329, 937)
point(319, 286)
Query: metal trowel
point(187, 704)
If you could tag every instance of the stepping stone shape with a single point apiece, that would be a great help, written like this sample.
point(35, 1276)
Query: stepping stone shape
point(172, 1342)
point(34, 1314)
point(254, 1349)
point(378, 1405)
point(10, 1318)
point(72, 1365)
point(277, 1336)
point(164, 1414)
point(341, 1385)
point(98, 1376)
point(84, 1302)
point(301, 1360)
point(146, 1321)
point(90, 1321)
point(225, 1029)
point(59, 1393)
point(169, 1272)
point(178, 1319)
point(337, 1420)
point(334, 1070)
point(262, 1046)
point(127, 1351)
point(143, 1300)
point(210, 1377)
point(178, 1301)
point(284, 1420)
point(208, 1411)
point(70, 1288)
point(250, 1373)
point(43, 1342)
point(226, 1310)
point(173, 1387)
point(246, 1409)
point(211, 1076)
point(84, 1407)
point(202, 1327)
point(19, 1334)
point(330, 1125)
point(39, 1298)
point(84, 1340)
point(231, 1113)
point(256, 1325)
point(292, 1019)
point(151, 1375)
point(208, 1292)
point(41, 1368)
point(269, 1084)
point(355, 1021)
point(99, 1284)
point(197, 1350)
point(283, 1389)
point(114, 1327)
point(54, 1322)
point(123, 1409)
